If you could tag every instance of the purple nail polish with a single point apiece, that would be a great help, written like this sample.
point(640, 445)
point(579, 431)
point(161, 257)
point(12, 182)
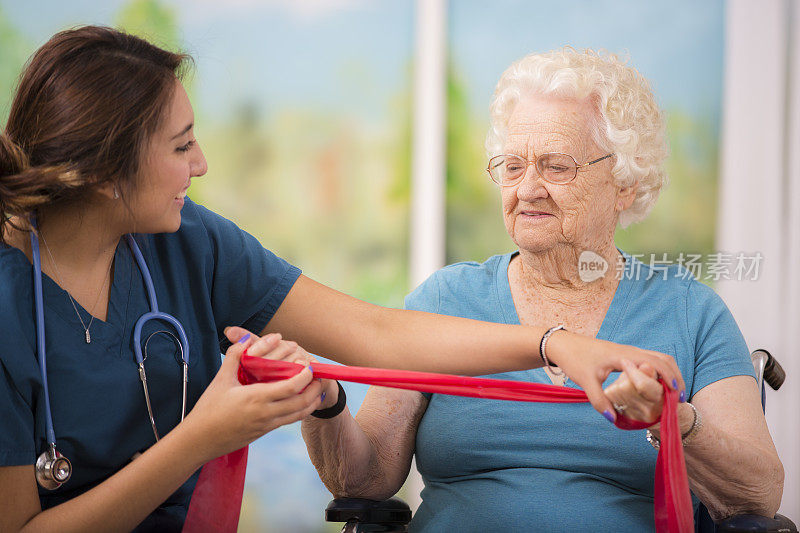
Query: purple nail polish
point(243, 339)
point(322, 397)
point(608, 416)
point(682, 396)
point(674, 383)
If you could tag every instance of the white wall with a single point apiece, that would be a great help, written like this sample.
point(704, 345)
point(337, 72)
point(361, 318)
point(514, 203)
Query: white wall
point(760, 200)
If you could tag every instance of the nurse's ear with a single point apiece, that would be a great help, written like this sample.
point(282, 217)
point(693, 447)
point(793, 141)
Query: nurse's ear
point(110, 190)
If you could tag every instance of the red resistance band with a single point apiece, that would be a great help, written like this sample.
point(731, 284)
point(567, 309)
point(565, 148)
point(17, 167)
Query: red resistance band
point(217, 497)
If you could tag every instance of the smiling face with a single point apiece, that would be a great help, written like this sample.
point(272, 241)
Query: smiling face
point(172, 158)
point(541, 216)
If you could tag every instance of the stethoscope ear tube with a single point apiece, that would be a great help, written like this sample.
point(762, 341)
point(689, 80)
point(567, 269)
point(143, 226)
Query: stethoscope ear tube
point(155, 314)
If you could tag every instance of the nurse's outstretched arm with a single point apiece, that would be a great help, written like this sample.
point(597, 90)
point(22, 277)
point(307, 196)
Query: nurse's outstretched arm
point(350, 331)
point(226, 417)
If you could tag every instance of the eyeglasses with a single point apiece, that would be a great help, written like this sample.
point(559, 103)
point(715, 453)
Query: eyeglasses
point(507, 170)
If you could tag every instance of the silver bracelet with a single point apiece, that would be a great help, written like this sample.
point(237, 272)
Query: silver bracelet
point(543, 353)
point(697, 423)
point(687, 437)
point(652, 439)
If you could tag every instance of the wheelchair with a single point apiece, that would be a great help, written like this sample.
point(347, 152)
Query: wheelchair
point(393, 515)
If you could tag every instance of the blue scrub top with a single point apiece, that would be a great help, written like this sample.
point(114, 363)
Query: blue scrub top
point(512, 466)
point(209, 275)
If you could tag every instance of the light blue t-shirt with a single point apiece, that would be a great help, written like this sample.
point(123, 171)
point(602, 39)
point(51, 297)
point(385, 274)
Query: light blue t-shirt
point(512, 466)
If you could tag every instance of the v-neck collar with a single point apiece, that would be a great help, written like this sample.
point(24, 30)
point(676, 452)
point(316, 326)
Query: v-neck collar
point(615, 311)
point(59, 303)
point(611, 321)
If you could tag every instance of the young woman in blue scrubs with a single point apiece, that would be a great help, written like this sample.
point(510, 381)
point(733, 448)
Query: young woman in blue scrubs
point(100, 144)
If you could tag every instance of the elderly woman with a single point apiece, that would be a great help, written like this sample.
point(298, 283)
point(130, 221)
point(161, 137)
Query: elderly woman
point(577, 145)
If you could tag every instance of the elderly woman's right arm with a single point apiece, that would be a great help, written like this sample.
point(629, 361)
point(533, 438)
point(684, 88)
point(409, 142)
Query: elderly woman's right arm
point(368, 456)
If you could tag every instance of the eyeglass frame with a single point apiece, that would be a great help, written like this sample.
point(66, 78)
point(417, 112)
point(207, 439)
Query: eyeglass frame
point(536, 166)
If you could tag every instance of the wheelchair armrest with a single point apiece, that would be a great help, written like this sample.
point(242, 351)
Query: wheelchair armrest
point(391, 511)
point(774, 374)
point(752, 523)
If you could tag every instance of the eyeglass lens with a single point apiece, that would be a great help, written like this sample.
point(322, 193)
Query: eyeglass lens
point(555, 168)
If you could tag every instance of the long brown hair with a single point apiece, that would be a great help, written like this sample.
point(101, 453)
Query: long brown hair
point(87, 103)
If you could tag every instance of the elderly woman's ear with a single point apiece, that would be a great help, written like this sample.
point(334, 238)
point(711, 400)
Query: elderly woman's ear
point(626, 196)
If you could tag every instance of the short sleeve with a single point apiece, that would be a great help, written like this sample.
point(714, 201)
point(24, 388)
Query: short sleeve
point(17, 445)
point(720, 349)
point(425, 298)
point(249, 282)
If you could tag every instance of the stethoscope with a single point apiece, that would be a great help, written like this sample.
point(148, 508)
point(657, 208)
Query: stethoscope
point(52, 468)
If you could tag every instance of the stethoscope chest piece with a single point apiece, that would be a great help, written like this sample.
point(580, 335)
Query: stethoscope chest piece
point(52, 469)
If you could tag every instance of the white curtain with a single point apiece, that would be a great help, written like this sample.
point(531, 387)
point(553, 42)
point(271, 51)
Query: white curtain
point(759, 201)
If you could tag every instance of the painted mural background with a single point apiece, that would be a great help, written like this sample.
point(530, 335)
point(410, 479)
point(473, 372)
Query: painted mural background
point(303, 109)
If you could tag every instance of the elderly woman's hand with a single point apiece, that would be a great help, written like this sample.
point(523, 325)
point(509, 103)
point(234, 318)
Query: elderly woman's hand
point(636, 393)
point(588, 362)
point(273, 346)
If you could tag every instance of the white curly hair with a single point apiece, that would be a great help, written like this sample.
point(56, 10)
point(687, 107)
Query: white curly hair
point(629, 123)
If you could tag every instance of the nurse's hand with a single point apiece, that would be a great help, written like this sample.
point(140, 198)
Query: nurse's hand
point(272, 346)
point(589, 361)
point(230, 415)
point(636, 393)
